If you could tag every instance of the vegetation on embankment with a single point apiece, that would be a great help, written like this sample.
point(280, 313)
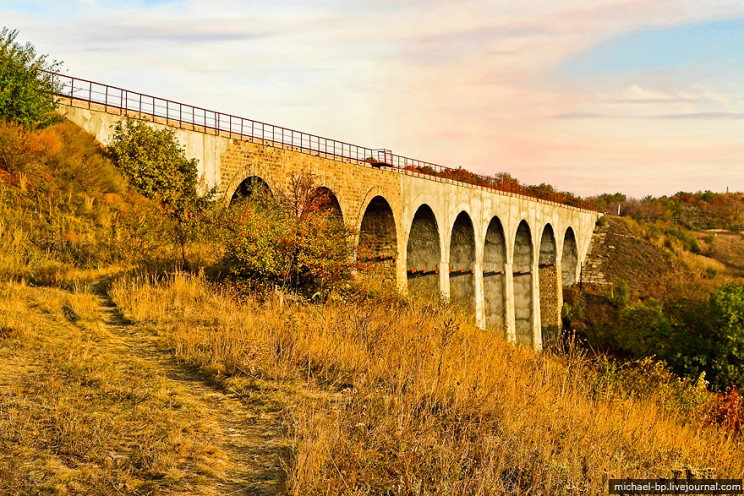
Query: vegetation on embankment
point(66, 209)
point(417, 401)
point(668, 297)
point(692, 211)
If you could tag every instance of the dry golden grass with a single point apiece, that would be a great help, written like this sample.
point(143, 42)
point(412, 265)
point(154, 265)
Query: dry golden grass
point(416, 402)
point(727, 249)
point(79, 414)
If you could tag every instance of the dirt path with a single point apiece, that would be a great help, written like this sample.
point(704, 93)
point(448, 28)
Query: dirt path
point(252, 438)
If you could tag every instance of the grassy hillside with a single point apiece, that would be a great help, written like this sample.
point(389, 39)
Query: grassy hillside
point(65, 209)
point(378, 394)
point(415, 401)
point(82, 414)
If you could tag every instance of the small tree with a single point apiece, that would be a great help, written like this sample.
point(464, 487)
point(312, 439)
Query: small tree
point(27, 95)
point(154, 163)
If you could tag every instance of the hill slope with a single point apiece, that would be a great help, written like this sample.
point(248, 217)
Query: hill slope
point(620, 253)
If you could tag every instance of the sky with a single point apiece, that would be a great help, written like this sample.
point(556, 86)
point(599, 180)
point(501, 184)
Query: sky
point(645, 97)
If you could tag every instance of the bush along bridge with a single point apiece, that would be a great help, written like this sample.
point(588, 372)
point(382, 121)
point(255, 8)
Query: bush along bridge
point(500, 249)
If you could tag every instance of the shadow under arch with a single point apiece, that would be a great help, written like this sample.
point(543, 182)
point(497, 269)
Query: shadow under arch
point(494, 279)
point(522, 282)
point(570, 259)
point(251, 188)
point(378, 240)
point(423, 252)
point(462, 261)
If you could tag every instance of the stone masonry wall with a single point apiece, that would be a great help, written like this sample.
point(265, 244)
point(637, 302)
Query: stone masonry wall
point(551, 301)
point(353, 184)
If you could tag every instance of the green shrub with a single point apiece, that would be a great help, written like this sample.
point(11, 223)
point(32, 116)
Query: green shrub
point(618, 293)
point(573, 311)
point(726, 310)
point(689, 242)
point(154, 163)
point(26, 93)
point(643, 330)
point(650, 378)
point(289, 240)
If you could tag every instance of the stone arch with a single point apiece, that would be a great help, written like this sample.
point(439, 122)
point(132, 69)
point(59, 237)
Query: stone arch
point(423, 252)
point(522, 281)
point(462, 261)
point(569, 259)
point(378, 240)
point(228, 187)
point(494, 260)
point(251, 187)
point(547, 246)
point(550, 287)
point(325, 199)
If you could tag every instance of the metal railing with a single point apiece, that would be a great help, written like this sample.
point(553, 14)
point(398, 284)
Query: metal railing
point(82, 92)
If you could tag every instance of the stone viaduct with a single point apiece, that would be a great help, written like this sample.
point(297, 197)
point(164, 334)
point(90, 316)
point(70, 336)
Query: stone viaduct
point(503, 255)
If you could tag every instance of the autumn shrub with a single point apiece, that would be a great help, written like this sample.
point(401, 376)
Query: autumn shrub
point(727, 409)
point(291, 240)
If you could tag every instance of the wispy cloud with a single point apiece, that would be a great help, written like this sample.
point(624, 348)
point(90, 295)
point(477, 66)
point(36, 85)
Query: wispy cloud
point(216, 30)
point(704, 116)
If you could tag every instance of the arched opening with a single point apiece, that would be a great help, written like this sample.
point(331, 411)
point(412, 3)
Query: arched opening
point(462, 261)
point(378, 243)
point(251, 189)
point(550, 288)
point(522, 276)
point(494, 258)
point(423, 252)
point(324, 200)
point(570, 259)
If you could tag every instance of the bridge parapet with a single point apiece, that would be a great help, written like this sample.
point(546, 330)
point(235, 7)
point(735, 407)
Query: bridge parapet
point(98, 96)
